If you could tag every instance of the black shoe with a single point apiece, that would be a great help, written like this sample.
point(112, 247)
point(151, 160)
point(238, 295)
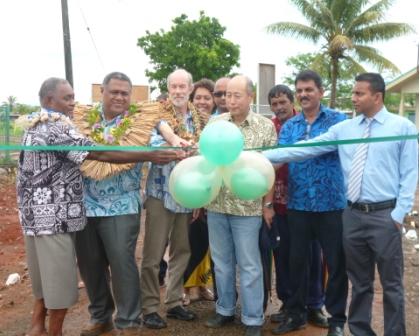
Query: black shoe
point(281, 316)
point(181, 313)
point(288, 325)
point(318, 318)
point(335, 331)
point(154, 321)
point(218, 321)
point(253, 331)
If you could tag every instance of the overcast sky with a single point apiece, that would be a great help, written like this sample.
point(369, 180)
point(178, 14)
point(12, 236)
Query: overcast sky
point(31, 39)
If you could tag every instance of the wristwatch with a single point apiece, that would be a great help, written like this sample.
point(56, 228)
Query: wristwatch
point(268, 205)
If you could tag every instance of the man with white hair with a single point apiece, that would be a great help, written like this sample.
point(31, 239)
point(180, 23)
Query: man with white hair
point(166, 219)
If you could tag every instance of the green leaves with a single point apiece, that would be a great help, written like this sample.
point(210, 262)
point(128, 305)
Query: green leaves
point(344, 28)
point(197, 46)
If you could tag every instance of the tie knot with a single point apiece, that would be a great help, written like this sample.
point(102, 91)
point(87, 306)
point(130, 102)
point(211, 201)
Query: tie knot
point(368, 120)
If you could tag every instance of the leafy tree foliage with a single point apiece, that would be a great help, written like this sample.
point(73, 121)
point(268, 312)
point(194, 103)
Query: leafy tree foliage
point(10, 101)
point(25, 109)
point(344, 30)
point(196, 46)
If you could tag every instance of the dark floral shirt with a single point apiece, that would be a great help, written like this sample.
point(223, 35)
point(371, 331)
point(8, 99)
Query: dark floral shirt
point(315, 184)
point(49, 183)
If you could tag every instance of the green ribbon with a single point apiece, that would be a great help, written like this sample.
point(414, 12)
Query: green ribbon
point(147, 148)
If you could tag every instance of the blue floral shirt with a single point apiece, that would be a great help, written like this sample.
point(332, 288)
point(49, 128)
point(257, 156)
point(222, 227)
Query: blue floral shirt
point(114, 196)
point(315, 184)
point(157, 184)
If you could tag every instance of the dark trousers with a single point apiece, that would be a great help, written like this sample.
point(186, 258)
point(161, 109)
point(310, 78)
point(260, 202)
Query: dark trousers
point(326, 226)
point(369, 239)
point(282, 265)
point(110, 242)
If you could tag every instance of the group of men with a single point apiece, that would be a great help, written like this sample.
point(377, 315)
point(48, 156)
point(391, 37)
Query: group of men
point(319, 223)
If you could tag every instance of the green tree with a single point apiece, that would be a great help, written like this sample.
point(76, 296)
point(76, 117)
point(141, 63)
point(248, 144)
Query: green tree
point(196, 46)
point(25, 109)
point(301, 61)
point(344, 29)
point(10, 101)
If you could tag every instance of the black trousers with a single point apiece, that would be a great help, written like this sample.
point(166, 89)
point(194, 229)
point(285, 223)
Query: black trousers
point(326, 226)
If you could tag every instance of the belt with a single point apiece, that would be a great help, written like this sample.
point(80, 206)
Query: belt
point(371, 207)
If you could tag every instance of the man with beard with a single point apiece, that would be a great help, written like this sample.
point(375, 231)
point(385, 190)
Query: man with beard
point(316, 200)
point(168, 220)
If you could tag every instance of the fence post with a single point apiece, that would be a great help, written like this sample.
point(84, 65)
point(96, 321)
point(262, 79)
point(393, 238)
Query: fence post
point(6, 115)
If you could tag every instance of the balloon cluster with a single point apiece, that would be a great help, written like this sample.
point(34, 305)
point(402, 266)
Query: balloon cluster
point(196, 181)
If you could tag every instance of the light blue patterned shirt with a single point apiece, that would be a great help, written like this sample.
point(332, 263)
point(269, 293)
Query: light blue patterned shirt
point(117, 195)
point(391, 167)
point(157, 184)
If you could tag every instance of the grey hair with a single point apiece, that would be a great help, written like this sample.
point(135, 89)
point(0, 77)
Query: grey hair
point(116, 75)
point(190, 79)
point(49, 86)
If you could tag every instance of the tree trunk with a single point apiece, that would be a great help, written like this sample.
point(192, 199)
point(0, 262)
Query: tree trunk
point(332, 101)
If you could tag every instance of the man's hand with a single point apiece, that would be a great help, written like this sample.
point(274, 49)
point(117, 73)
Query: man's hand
point(195, 215)
point(398, 225)
point(162, 157)
point(268, 214)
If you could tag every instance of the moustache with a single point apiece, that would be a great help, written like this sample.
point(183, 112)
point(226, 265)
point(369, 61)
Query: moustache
point(280, 112)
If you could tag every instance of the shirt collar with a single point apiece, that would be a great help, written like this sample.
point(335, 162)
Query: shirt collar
point(379, 117)
point(247, 121)
point(320, 114)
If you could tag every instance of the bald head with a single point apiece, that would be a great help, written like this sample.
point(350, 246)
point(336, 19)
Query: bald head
point(243, 81)
point(180, 73)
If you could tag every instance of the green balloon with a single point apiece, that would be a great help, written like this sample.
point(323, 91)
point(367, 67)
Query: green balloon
point(221, 142)
point(249, 184)
point(192, 190)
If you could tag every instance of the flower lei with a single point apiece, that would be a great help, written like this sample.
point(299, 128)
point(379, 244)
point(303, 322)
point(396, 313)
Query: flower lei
point(181, 129)
point(44, 115)
point(123, 121)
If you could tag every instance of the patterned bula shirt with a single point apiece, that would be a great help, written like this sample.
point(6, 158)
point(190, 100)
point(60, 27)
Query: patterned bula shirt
point(258, 131)
point(49, 183)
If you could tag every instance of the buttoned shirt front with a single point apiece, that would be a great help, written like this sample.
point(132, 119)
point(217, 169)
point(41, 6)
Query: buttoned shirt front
point(391, 167)
point(157, 184)
point(258, 131)
point(49, 183)
point(117, 195)
point(315, 184)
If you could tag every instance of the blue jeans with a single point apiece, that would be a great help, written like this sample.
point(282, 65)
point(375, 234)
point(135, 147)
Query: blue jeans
point(235, 239)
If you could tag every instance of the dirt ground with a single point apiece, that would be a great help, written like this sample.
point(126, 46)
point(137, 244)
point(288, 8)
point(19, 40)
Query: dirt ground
point(16, 301)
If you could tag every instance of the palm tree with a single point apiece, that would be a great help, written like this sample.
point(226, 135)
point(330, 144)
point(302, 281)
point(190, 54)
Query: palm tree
point(10, 101)
point(345, 29)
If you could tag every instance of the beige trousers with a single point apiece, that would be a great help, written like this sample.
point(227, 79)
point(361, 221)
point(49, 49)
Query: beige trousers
point(162, 224)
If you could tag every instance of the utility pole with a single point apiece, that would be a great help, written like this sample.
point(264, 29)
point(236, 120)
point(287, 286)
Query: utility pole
point(67, 44)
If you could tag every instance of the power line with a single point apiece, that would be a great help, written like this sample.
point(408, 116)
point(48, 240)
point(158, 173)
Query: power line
point(138, 13)
point(93, 41)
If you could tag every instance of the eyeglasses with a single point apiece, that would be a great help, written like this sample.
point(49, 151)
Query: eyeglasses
point(219, 94)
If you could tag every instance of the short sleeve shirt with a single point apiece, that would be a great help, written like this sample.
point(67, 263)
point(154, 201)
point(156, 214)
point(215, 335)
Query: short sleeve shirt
point(258, 131)
point(49, 183)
